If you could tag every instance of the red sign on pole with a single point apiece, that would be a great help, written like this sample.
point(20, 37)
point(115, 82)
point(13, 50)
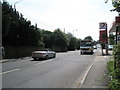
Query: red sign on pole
point(117, 19)
point(103, 36)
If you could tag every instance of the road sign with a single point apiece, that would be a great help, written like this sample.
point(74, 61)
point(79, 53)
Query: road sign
point(103, 36)
point(102, 25)
point(117, 19)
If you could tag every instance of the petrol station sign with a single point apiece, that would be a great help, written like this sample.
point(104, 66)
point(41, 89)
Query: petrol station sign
point(103, 32)
point(117, 19)
point(102, 25)
point(103, 36)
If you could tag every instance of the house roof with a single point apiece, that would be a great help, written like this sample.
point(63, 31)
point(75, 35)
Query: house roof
point(113, 27)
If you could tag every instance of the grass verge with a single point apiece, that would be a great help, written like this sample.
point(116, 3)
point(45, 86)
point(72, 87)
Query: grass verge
point(114, 83)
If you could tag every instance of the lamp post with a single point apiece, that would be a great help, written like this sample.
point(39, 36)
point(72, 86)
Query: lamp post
point(16, 3)
point(17, 35)
point(106, 1)
point(74, 31)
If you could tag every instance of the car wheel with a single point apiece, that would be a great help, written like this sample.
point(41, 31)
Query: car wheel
point(92, 52)
point(81, 53)
point(35, 58)
point(54, 56)
point(46, 57)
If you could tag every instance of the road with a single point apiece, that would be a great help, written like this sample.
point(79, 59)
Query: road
point(64, 71)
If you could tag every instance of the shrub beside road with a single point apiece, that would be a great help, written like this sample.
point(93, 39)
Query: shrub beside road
point(114, 69)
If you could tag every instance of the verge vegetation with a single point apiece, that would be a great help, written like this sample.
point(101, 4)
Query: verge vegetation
point(114, 69)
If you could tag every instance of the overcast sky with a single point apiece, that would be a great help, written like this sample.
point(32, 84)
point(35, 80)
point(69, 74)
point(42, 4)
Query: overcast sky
point(80, 17)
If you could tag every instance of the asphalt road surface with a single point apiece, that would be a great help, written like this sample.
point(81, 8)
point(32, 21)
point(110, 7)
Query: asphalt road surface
point(64, 71)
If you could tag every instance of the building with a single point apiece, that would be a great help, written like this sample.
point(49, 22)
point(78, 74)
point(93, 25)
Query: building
point(115, 29)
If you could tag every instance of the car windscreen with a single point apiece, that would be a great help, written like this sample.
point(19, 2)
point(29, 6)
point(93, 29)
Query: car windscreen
point(86, 44)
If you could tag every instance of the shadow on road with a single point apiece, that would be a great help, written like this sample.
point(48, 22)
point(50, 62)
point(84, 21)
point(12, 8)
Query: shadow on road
point(87, 54)
point(42, 59)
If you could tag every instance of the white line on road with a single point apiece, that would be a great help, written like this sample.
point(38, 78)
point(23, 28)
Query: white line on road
point(9, 71)
point(86, 74)
point(81, 80)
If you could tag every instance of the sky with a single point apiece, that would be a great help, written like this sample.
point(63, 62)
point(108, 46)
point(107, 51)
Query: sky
point(79, 17)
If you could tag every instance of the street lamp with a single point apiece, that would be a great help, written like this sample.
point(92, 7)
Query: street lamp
point(16, 3)
point(106, 1)
point(74, 31)
point(17, 35)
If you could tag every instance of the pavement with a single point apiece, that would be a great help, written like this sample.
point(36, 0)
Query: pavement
point(97, 76)
point(11, 60)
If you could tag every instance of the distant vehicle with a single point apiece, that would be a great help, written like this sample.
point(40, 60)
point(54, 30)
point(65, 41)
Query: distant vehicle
point(86, 46)
point(95, 47)
point(110, 47)
point(98, 45)
point(43, 53)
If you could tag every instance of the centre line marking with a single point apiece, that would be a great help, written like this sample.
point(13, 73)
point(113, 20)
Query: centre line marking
point(9, 71)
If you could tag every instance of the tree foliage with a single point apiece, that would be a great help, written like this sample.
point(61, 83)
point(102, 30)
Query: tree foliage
point(48, 38)
point(72, 42)
point(18, 31)
point(111, 39)
point(60, 38)
point(88, 38)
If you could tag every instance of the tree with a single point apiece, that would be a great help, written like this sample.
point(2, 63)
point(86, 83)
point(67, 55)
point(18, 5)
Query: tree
point(111, 39)
point(48, 38)
point(78, 44)
point(61, 39)
point(16, 30)
point(88, 38)
point(72, 42)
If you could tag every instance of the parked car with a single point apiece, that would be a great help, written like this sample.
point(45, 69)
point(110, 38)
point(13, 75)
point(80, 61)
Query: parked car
point(110, 47)
point(43, 54)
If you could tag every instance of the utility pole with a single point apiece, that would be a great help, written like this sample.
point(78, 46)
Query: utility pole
point(17, 35)
point(16, 3)
point(116, 33)
point(106, 41)
point(74, 31)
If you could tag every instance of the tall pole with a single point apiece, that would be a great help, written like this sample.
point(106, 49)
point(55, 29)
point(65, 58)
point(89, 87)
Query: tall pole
point(106, 41)
point(16, 3)
point(116, 34)
point(74, 31)
point(106, 1)
point(17, 36)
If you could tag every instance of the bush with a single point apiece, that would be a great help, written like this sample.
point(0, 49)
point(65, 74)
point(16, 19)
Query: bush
point(114, 84)
point(114, 68)
point(116, 56)
point(110, 66)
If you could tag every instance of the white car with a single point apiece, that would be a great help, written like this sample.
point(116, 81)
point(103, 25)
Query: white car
point(43, 53)
point(95, 47)
point(110, 47)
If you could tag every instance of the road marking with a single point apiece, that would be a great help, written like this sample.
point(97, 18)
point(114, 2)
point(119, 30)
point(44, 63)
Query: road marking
point(83, 79)
point(9, 71)
point(79, 83)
